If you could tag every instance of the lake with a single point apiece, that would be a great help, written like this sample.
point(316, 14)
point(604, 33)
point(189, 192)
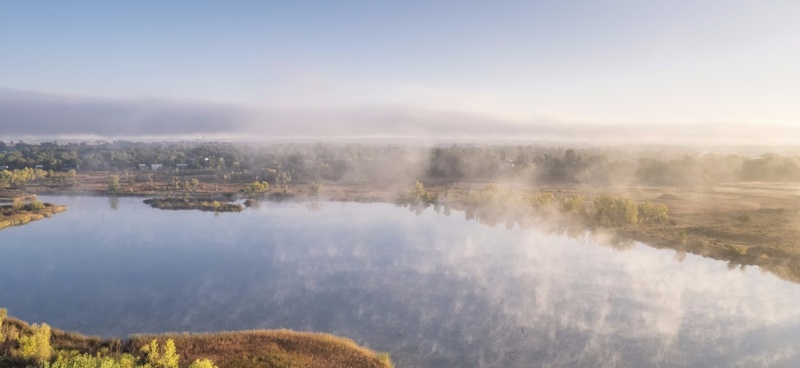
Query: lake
point(430, 289)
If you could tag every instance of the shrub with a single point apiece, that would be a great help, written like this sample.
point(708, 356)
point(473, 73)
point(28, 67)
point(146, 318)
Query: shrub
point(573, 203)
point(542, 199)
point(681, 237)
point(384, 358)
point(743, 219)
point(202, 363)
point(75, 360)
point(256, 187)
point(314, 189)
point(37, 346)
point(615, 211)
point(36, 206)
point(418, 195)
point(653, 213)
point(739, 249)
point(168, 359)
point(113, 183)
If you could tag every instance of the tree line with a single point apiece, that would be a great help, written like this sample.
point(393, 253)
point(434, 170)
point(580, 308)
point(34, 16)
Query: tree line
point(279, 164)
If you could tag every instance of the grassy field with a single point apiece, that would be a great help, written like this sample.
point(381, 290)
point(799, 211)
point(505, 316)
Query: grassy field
point(271, 348)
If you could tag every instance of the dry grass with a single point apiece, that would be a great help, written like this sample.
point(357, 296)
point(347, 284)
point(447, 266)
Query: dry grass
point(243, 349)
point(271, 348)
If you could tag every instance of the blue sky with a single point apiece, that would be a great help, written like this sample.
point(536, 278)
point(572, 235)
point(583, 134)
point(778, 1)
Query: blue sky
point(410, 68)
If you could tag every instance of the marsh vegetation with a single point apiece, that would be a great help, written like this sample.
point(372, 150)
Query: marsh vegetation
point(24, 210)
point(39, 345)
point(735, 204)
point(187, 203)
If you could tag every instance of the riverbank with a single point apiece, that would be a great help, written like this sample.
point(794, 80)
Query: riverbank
point(751, 223)
point(20, 347)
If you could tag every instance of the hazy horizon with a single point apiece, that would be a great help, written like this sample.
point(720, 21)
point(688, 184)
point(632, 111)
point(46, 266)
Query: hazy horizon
point(707, 72)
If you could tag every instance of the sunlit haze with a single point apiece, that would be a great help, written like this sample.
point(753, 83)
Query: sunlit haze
point(580, 71)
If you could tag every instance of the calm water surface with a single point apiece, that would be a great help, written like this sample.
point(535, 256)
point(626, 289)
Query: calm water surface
point(433, 290)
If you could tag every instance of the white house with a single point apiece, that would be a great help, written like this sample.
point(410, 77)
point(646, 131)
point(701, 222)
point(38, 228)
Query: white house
point(156, 166)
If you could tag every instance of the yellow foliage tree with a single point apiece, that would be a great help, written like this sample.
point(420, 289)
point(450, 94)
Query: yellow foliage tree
point(37, 346)
point(168, 359)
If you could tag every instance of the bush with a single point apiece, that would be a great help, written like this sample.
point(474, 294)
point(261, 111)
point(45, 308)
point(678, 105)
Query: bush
point(256, 187)
point(653, 213)
point(113, 183)
point(37, 346)
point(75, 360)
point(572, 204)
point(202, 363)
point(542, 199)
point(314, 189)
point(36, 206)
point(166, 359)
point(681, 237)
point(615, 211)
point(422, 194)
point(744, 219)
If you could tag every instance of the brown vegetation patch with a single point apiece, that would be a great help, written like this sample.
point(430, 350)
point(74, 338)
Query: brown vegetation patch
point(245, 349)
point(271, 348)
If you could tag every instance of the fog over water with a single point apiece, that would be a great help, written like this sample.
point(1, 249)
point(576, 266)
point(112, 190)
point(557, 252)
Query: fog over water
point(433, 290)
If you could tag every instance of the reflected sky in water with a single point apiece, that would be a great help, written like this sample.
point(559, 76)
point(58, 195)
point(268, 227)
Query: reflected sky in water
point(433, 290)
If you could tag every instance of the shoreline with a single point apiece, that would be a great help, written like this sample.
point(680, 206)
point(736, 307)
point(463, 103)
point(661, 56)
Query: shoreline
point(244, 349)
point(752, 223)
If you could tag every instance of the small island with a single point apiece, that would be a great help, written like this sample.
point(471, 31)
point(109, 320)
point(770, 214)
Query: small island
point(187, 203)
point(26, 209)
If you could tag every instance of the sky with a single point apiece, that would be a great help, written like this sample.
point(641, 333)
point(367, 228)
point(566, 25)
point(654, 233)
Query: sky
point(575, 70)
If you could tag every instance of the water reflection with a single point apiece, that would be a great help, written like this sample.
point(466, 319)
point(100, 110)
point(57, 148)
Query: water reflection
point(432, 290)
point(113, 202)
